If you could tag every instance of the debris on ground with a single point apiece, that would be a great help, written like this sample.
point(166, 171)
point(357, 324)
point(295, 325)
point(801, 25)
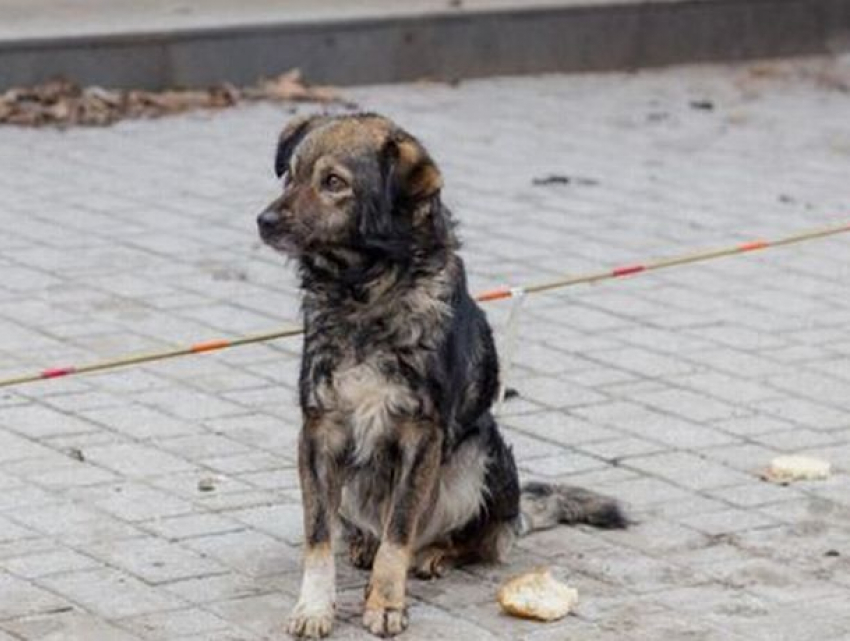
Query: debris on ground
point(206, 484)
point(230, 274)
point(702, 105)
point(76, 453)
point(63, 103)
point(558, 179)
point(832, 553)
point(510, 393)
point(786, 469)
point(537, 595)
point(831, 73)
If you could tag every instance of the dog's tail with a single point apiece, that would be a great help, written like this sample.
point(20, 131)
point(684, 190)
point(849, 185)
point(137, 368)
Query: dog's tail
point(545, 505)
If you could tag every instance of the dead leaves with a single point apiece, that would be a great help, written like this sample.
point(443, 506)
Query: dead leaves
point(62, 103)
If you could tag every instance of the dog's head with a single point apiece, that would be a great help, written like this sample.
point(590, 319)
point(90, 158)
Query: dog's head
point(353, 183)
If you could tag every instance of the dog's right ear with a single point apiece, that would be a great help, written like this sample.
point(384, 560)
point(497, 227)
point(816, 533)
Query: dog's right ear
point(291, 135)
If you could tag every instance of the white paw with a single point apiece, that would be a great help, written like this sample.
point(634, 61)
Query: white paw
point(311, 621)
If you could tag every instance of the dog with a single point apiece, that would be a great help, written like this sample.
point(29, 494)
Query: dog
point(399, 449)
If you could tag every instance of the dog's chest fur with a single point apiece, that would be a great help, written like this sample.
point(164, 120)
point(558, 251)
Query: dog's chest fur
point(365, 362)
point(370, 400)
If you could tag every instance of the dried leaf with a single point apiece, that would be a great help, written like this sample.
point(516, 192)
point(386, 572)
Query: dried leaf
point(62, 103)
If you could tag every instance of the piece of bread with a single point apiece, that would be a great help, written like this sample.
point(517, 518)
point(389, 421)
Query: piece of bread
point(537, 595)
point(785, 469)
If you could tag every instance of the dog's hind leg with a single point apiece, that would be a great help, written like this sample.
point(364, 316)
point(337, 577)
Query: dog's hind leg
point(319, 453)
point(435, 560)
point(362, 547)
point(485, 540)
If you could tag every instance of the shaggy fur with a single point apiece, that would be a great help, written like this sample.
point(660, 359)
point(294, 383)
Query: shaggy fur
point(399, 373)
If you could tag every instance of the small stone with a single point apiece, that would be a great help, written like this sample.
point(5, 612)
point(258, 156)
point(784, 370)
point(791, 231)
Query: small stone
point(76, 453)
point(702, 105)
point(206, 484)
point(551, 179)
point(832, 553)
point(559, 179)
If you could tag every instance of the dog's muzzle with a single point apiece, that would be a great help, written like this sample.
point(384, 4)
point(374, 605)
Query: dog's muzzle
point(268, 222)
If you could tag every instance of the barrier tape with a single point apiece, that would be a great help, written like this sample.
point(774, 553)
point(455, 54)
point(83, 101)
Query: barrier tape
point(498, 293)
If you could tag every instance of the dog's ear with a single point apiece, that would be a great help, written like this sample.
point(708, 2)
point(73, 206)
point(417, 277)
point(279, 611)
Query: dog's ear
point(412, 174)
point(409, 210)
point(291, 135)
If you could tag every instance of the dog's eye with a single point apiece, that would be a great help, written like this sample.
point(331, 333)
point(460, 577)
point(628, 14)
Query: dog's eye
point(334, 182)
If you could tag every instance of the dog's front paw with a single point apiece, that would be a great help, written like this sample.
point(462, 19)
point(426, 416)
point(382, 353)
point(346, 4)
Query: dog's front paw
point(385, 622)
point(311, 622)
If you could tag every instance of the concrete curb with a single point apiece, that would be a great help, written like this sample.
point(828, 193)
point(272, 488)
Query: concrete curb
point(442, 45)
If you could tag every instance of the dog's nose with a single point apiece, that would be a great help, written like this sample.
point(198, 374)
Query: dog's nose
point(267, 221)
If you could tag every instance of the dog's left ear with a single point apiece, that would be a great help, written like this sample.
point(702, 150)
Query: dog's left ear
point(294, 132)
point(413, 175)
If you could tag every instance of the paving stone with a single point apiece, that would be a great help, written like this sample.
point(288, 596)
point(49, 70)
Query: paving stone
point(224, 502)
point(67, 626)
point(557, 427)
point(72, 522)
point(797, 439)
point(727, 521)
point(131, 501)
point(188, 405)
point(749, 458)
point(250, 552)
point(688, 470)
point(620, 448)
point(133, 460)
point(691, 506)
point(175, 624)
point(154, 560)
point(110, 593)
point(45, 563)
point(191, 525)
point(251, 462)
point(220, 587)
point(804, 412)
point(19, 597)
point(140, 422)
point(689, 405)
point(10, 531)
point(557, 393)
point(264, 615)
point(644, 362)
point(751, 495)
point(39, 421)
point(73, 475)
point(750, 426)
point(282, 521)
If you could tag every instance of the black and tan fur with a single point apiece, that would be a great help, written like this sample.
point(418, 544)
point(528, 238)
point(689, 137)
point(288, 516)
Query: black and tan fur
point(399, 372)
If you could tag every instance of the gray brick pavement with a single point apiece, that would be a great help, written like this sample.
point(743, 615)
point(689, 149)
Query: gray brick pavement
point(670, 390)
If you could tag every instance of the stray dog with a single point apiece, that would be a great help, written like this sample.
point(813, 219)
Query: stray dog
point(398, 450)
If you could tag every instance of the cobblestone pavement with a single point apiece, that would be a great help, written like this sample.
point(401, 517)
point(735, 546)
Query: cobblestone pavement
point(668, 390)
